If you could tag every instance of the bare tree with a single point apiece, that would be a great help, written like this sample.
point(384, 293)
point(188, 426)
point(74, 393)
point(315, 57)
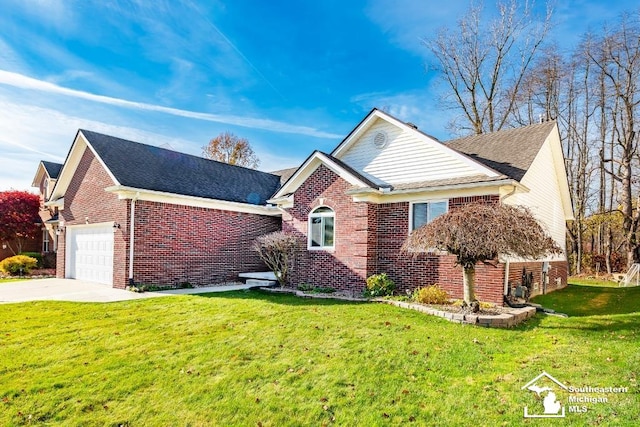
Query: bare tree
point(277, 250)
point(484, 62)
point(228, 148)
point(479, 233)
point(618, 58)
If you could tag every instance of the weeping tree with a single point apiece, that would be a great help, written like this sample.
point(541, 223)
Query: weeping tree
point(479, 233)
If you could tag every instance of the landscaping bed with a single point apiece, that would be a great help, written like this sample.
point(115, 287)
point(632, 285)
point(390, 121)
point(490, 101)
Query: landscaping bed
point(500, 317)
point(488, 316)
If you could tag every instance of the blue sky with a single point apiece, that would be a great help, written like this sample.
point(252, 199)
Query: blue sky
point(290, 76)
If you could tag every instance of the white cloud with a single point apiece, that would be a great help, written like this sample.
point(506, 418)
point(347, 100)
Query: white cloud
point(417, 107)
point(54, 13)
point(9, 58)
point(30, 134)
point(25, 82)
point(46, 134)
point(407, 22)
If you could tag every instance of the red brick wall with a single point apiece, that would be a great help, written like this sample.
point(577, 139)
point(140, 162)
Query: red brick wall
point(410, 271)
point(347, 266)
point(86, 198)
point(175, 244)
point(368, 241)
point(557, 273)
point(30, 245)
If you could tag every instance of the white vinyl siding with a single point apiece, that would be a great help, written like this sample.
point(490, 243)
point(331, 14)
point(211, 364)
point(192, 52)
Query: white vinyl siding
point(544, 198)
point(425, 212)
point(407, 157)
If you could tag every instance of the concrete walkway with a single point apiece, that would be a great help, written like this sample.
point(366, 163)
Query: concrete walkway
point(80, 291)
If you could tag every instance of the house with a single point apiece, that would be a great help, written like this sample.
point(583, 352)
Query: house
point(136, 213)
point(45, 179)
point(353, 208)
point(45, 242)
point(133, 212)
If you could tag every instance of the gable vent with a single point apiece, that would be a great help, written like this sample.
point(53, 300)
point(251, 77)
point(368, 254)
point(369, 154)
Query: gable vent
point(380, 139)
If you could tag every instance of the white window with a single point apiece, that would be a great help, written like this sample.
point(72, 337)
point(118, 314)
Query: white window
point(45, 240)
point(321, 228)
point(423, 213)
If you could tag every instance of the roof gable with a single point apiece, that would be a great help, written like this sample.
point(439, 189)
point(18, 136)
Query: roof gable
point(145, 167)
point(390, 152)
point(53, 169)
point(312, 163)
point(509, 151)
point(47, 169)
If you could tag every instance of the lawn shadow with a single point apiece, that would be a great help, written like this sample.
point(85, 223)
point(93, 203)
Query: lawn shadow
point(278, 298)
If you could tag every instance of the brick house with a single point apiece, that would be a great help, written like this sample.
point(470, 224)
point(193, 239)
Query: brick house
point(132, 212)
point(353, 208)
point(45, 179)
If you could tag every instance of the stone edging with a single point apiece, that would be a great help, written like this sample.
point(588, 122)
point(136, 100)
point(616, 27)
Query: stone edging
point(514, 316)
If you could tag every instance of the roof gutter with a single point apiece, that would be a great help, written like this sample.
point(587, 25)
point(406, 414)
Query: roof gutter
point(366, 191)
point(58, 203)
point(125, 192)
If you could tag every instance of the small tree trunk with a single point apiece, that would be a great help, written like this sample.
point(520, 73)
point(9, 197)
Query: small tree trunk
point(11, 248)
point(608, 250)
point(469, 279)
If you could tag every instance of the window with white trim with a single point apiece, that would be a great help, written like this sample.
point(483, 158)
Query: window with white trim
point(424, 213)
point(45, 240)
point(321, 228)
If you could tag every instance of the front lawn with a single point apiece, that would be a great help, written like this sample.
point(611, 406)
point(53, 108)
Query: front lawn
point(248, 358)
point(591, 300)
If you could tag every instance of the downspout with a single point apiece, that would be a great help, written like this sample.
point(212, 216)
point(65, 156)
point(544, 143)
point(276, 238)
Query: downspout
point(132, 236)
point(505, 290)
point(506, 278)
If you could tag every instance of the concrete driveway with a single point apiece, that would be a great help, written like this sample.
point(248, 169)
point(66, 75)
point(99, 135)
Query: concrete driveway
point(77, 290)
point(65, 290)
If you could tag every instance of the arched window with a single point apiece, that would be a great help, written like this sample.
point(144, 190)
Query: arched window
point(321, 228)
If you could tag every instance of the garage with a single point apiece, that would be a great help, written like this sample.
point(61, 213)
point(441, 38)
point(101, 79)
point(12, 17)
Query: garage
point(90, 253)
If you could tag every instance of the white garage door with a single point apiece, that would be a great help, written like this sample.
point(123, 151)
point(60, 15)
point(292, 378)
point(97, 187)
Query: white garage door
point(90, 253)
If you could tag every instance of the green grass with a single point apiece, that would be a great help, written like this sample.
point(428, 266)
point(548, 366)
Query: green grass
point(590, 300)
point(247, 358)
point(12, 279)
point(583, 281)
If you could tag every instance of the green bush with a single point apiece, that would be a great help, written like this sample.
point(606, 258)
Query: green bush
point(305, 287)
point(36, 255)
point(431, 295)
point(19, 264)
point(379, 285)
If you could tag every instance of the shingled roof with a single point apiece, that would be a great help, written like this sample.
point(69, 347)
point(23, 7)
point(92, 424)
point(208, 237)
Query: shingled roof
point(53, 169)
point(509, 151)
point(147, 167)
point(284, 174)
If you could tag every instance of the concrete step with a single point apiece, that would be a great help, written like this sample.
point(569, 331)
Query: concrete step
point(259, 283)
point(262, 275)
